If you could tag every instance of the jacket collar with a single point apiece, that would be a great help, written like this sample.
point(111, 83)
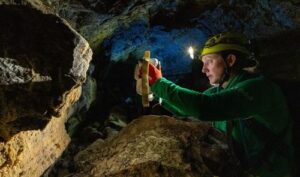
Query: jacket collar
point(239, 77)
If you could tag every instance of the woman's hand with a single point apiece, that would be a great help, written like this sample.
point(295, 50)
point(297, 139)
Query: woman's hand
point(154, 74)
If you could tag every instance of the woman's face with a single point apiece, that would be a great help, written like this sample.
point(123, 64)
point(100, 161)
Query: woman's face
point(213, 67)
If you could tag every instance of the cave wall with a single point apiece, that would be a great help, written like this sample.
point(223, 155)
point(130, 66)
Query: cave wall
point(43, 63)
point(30, 152)
point(120, 31)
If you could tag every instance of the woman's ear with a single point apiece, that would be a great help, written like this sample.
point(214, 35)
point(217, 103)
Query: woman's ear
point(231, 60)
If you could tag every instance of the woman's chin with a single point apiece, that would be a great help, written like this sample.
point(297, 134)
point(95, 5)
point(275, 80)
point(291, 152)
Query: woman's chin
point(213, 83)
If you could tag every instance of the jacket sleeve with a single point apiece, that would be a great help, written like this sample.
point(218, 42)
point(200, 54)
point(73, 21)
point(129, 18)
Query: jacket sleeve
point(174, 110)
point(238, 102)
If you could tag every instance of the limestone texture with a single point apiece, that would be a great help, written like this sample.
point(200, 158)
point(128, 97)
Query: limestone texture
point(43, 64)
point(153, 146)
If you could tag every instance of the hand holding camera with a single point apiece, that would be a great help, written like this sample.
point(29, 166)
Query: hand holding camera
point(147, 72)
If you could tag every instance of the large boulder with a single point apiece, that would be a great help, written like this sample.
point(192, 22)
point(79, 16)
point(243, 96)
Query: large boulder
point(43, 63)
point(158, 146)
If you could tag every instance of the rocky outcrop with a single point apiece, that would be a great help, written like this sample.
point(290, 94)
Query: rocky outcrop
point(157, 146)
point(43, 63)
point(30, 152)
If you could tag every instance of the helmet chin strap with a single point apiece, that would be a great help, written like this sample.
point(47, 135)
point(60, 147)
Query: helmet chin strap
point(225, 76)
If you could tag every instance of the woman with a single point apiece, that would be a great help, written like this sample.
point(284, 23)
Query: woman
point(248, 107)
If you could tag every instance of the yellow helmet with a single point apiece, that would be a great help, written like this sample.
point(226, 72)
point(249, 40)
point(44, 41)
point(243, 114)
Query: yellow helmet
point(226, 41)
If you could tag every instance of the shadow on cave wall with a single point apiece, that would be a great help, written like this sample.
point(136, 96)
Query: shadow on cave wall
point(117, 87)
point(279, 58)
point(291, 92)
point(33, 46)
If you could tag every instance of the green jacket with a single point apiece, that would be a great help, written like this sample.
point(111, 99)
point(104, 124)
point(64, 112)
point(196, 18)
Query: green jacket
point(246, 98)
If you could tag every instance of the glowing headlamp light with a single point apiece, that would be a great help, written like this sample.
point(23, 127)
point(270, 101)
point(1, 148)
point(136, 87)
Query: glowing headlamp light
point(191, 52)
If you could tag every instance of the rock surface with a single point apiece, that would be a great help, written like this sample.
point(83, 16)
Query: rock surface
point(43, 63)
point(29, 153)
point(157, 146)
point(41, 58)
